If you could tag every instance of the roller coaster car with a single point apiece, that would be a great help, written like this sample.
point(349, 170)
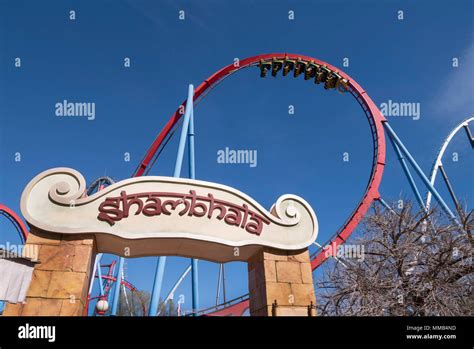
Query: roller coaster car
point(276, 66)
point(321, 75)
point(342, 86)
point(288, 65)
point(264, 67)
point(332, 81)
point(310, 70)
point(300, 67)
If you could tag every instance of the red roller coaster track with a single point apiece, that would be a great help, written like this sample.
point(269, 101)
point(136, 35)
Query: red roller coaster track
point(374, 116)
point(16, 221)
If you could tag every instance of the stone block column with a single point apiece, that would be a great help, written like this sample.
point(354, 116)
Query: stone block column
point(61, 279)
point(281, 283)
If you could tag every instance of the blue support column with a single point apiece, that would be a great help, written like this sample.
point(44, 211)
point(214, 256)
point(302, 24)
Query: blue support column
point(118, 283)
point(417, 168)
point(408, 174)
point(387, 206)
point(160, 268)
point(109, 293)
point(192, 175)
point(99, 274)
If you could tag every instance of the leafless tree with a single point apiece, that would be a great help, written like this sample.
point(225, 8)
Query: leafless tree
point(414, 264)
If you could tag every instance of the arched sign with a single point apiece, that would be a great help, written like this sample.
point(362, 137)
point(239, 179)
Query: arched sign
point(149, 216)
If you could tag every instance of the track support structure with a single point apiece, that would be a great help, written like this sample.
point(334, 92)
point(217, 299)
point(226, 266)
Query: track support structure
point(192, 175)
point(160, 268)
point(403, 150)
point(118, 282)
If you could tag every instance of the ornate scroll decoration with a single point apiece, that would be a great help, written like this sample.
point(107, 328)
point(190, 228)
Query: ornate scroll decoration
point(182, 210)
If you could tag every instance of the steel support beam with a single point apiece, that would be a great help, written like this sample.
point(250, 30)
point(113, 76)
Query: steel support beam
point(407, 172)
point(160, 268)
point(219, 284)
point(176, 285)
point(387, 206)
point(192, 175)
point(469, 134)
point(99, 275)
point(418, 170)
point(451, 192)
point(118, 282)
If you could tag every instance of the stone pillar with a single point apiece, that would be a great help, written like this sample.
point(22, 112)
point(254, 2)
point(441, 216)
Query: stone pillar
point(281, 283)
point(61, 279)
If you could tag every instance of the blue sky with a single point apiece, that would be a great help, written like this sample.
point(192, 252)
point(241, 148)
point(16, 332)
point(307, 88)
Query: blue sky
point(407, 60)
